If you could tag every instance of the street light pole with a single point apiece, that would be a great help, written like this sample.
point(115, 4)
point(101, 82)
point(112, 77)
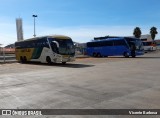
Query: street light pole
point(34, 16)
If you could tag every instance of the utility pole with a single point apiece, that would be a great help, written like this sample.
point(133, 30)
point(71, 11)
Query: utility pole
point(34, 16)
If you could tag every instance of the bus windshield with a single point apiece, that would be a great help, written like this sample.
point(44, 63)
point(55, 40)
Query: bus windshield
point(137, 42)
point(66, 46)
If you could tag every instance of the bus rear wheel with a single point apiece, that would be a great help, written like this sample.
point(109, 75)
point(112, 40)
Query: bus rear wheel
point(94, 55)
point(24, 59)
point(99, 55)
point(21, 59)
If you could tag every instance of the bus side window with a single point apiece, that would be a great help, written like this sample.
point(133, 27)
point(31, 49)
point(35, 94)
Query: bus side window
point(54, 47)
point(45, 43)
point(108, 43)
point(93, 44)
point(100, 44)
point(119, 42)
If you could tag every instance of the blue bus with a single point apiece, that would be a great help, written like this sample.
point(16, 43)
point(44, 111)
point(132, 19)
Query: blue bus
point(117, 46)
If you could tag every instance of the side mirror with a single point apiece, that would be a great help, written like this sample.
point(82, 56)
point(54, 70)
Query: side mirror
point(74, 46)
point(57, 44)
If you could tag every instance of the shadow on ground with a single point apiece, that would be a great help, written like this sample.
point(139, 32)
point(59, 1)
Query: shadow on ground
point(68, 65)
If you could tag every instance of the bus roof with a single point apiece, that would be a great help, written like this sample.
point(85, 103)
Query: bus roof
point(105, 37)
point(48, 36)
point(108, 39)
point(112, 38)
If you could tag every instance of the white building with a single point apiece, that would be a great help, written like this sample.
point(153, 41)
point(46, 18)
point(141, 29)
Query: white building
point(146, 37)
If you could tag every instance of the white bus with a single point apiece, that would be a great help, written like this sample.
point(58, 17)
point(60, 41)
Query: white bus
point(149, 46)
point(46, 49)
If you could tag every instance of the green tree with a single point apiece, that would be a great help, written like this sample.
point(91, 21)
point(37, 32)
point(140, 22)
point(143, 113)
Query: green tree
point(153, 32)
point(137, 32)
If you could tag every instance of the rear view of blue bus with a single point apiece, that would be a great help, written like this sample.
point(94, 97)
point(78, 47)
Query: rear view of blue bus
point(119, 46)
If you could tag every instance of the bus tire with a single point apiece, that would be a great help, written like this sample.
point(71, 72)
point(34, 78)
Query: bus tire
point(133, 56)
point(48, 60)
point(106, 56)
point(99, 55)
point(126, 55)
point(63, 63)
point(94, 54)
point(24, 59)
point(21, 59)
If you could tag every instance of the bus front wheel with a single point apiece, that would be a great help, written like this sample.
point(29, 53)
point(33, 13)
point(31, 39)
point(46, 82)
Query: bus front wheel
point(63, 63)
point(133, 56)
point(126, 55)
point(21, 59)
point(24, 59)
point(48, 59)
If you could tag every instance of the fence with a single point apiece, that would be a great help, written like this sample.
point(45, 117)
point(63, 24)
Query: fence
point(7, 55)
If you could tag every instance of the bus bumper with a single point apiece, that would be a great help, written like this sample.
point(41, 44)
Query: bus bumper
point(65, 59)
point(69, 59)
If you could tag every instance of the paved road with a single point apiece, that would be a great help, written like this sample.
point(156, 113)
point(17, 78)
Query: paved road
point(96, 83)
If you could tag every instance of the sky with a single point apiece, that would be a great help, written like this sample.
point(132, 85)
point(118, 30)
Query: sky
point(82, 20)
